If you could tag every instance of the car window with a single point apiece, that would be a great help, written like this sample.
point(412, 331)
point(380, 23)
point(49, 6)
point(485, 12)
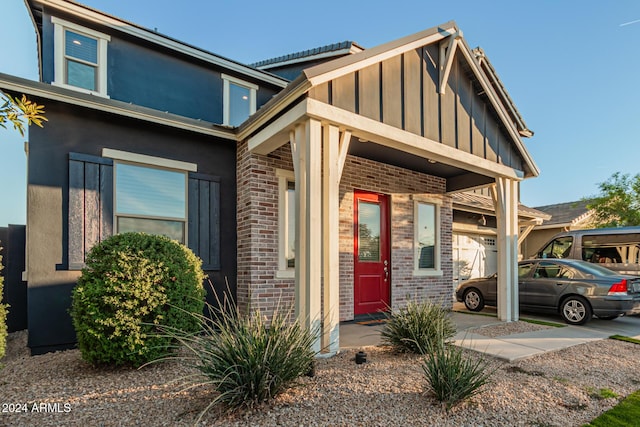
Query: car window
point(558, 248)
point(567, 273)
point(547, 270)
point(524, 270)
point(594, 269)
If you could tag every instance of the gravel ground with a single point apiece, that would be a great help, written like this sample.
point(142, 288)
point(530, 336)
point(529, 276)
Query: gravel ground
point(554, 389)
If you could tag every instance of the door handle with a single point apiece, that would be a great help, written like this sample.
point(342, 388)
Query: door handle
point(386, 273)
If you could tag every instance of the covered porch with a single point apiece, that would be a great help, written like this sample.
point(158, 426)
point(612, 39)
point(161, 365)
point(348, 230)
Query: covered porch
point(399, 105)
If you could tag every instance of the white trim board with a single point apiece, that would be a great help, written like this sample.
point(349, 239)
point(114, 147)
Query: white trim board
point(149, 160)
point(72, 97)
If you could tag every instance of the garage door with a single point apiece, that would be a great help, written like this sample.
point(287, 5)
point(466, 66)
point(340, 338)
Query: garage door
point(474, 256)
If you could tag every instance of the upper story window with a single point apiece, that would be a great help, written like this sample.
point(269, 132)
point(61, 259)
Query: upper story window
point(80, 58)
point(239, 98)
point(427, 238)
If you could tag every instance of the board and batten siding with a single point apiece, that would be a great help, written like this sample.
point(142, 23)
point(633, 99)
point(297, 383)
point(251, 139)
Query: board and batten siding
point(402, 91)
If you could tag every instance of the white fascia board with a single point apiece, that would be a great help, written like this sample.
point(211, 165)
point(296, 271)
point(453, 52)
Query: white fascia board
point(276, 134)
point(110, 106)
point(370, 56)
point(119, 25)
point(268, 112)
point(493, 98)
point(390, 136)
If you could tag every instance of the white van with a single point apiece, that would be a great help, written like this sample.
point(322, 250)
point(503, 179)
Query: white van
point(617, 249)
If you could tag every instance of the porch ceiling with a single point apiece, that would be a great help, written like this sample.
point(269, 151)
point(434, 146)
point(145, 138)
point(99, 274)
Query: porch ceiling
point(380, 153)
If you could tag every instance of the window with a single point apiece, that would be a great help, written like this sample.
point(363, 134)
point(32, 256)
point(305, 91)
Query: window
point(80, 58)
point(369, 215)
point(286, 223)
point(150, 194)
point(93, 216)
point(427, 238)
point(559, 248)
point(239, 98)
point(524, 270)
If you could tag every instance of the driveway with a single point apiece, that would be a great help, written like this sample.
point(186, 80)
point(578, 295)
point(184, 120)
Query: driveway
point(626, 325)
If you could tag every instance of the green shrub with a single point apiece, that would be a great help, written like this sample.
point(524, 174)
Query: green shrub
point(417, 327)
point(451, 376)
point(246, 359)
point(132, 283)
point(3, 316)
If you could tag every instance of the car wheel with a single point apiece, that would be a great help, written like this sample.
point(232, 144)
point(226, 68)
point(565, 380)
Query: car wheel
point(608, 317)
point(473, 300)
point(576, 311)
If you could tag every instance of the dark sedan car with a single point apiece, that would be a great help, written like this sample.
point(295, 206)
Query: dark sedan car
point(576, 289)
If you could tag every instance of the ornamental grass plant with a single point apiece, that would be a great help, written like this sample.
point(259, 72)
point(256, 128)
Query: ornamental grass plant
point(453, 377)
point(417, 326)
point(247, 358)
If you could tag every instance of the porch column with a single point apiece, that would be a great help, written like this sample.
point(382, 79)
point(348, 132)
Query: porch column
point(505, 200)
point(334, 153)
point(308, 174)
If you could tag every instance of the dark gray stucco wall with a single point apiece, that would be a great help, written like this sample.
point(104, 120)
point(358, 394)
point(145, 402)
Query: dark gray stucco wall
point(77, 129)
point(145, 74)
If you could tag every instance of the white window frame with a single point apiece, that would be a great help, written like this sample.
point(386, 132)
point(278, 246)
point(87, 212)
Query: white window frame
point(60, 75)
point(437, 270)
point(284, 177)
point(226, 110)
point(142, 160)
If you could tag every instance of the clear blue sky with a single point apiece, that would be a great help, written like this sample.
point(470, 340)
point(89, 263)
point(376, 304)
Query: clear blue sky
point(571, 68)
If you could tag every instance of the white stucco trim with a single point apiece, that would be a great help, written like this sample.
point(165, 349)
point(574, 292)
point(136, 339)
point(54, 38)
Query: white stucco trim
point(149, 160)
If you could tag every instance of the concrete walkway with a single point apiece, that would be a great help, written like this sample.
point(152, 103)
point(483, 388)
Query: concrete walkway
point(510, 347)
point(528, 344)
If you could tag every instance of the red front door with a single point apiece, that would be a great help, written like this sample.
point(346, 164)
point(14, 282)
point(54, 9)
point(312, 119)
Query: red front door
point(372, 268)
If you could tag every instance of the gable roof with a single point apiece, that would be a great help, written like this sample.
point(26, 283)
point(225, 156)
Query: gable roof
point(339, 67)
point(327, 51)
point(566, 214)
point(479, 203)
point(502, 92)
point(89, 14)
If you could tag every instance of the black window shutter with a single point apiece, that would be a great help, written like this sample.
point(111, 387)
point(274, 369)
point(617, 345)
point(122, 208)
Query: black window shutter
point(204, 219)
point(90, 205)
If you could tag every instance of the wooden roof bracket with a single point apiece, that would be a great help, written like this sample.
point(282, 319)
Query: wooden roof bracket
point(447, 53)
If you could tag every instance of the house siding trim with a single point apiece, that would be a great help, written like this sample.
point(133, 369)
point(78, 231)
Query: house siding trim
point(72, 97)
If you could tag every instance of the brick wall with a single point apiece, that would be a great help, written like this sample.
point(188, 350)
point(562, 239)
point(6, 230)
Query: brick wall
point(401, 185)
point(258, 286)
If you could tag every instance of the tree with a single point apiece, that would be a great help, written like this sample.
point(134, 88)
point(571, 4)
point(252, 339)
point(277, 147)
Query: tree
point(618, 204)
point(18, 110)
